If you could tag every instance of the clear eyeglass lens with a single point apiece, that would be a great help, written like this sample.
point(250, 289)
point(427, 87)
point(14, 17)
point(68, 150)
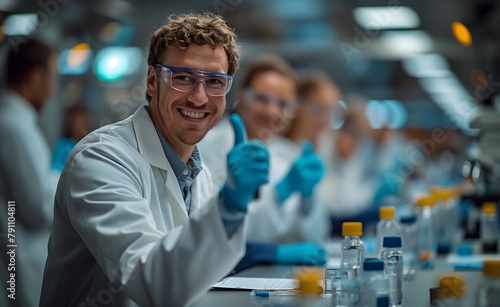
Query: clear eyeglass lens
point(185, 82)
point(268, 99)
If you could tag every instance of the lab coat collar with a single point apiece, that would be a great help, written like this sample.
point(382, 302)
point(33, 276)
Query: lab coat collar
point(148, 143)
point(150, 148)
point(17, 102)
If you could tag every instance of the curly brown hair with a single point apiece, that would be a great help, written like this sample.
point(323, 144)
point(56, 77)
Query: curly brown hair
point(192, 28)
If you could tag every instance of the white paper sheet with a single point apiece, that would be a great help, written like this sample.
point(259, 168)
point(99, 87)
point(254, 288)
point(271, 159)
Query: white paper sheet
point(253, 283)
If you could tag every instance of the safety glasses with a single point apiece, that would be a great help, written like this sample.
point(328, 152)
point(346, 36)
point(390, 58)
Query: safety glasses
point(283, 104)
point(185, 80)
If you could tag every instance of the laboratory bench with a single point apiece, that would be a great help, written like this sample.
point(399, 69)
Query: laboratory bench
point(415, 293)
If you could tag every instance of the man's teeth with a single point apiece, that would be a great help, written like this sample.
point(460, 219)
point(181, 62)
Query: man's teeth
point(192, 114)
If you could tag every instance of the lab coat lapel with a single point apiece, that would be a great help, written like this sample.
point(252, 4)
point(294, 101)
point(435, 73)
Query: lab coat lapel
point(149, 146)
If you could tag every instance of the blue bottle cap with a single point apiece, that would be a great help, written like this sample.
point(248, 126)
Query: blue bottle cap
point(373, 264)
point(465, 249)
point(392, 241)
point(410, 219)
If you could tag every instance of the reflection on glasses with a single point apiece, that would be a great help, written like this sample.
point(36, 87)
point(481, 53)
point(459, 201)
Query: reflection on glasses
point(185, 80)
point(318, 109)
point(282, 104)
point(337, 113)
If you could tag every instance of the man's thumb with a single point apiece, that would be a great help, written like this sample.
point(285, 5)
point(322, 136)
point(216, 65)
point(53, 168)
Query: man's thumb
point(240, 133)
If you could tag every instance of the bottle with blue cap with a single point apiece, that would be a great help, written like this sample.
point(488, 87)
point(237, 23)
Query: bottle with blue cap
point(392, 256)
point(387, 225)
point(375, 284)
point(409, 232)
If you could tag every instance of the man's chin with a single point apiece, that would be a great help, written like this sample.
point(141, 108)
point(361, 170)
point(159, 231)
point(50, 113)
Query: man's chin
point(192, 138)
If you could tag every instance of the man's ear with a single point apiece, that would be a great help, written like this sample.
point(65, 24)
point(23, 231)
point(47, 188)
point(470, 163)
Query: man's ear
point(151, 83)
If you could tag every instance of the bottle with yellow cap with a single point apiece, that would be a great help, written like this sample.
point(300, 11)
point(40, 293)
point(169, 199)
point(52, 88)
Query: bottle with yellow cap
point(387, 226)
point(447, 218)
point(489, 227)
point(488, 292)
point(451, 291)
point(353, 249)
point(427, 231)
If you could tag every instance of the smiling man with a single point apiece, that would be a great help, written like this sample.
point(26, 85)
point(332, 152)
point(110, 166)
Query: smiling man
point(138, 219)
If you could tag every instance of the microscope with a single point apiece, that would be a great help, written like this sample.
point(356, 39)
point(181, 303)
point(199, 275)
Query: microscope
point(483, 167)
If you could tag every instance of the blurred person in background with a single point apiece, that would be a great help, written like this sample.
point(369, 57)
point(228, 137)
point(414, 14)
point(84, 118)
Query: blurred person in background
point(266, 102)
point(26, 175)
point(349, 187)
point(318, 99)
point(435, 160)
point(76, 126)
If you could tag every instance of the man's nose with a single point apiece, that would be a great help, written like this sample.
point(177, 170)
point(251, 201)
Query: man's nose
point(198, 95)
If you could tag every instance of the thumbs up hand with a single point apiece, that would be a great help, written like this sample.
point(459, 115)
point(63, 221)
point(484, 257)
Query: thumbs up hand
point(248, 168)
point(306, 172)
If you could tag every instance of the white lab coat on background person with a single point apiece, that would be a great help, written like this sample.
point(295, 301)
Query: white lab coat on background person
point(26, 178)
point(268, 220)
point(120, 216)
point(347, 188)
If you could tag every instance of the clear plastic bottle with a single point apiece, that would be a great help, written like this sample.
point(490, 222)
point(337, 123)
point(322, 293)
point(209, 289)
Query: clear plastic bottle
point(451, 291)
point(375, 284)
point(387, 226)
point(409, 231)
point(488, 293)
point(447, 221)
point(427, 231)
point(392, 256)
point(353, 248)
point(489, 227)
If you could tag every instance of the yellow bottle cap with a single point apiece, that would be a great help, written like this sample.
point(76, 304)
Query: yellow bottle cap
point(451, 286)
point(352, 229)
point(491, 268)
point(489, 208)
point(425, 201)
point(442, 194)
point(457, 191)
point(309, 281)
point(387, 213)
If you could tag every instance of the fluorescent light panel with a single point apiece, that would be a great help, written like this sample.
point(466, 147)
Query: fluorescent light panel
point(431, 65)
point(407, 42)
point(386, 17)
point(20, 24)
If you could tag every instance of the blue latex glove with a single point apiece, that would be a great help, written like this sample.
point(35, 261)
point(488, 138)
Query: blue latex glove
point(304, 175)
point(248, 168)
point(300, 254)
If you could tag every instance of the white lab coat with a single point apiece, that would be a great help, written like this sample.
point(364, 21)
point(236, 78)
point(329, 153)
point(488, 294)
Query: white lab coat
point(27, 179)
point(267, 219)
point(119, 214)
point(347, 188)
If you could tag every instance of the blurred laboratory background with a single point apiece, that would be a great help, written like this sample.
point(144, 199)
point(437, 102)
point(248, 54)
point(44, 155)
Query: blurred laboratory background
point(414, 77)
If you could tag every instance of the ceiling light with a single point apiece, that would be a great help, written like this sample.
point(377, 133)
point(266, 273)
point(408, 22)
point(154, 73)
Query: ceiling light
point(461, 33)
point(20, 24)
point(430, 65)
point(407, 42)
point(386, 17)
